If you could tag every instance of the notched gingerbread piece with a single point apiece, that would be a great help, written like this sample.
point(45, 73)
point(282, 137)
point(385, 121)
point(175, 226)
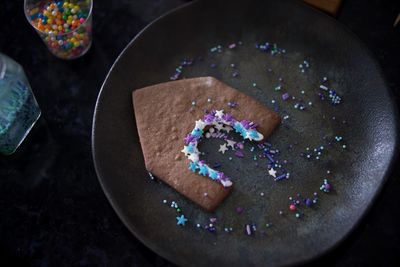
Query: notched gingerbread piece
point(165, 113)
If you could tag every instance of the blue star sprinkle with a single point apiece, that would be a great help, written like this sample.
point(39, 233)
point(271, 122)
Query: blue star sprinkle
point(181, 220)
point(213, 175)
point(193, 166)
point(203, 170)
point(197, 133)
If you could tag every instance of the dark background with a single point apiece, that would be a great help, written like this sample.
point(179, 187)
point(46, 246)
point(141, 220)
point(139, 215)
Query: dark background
point(52, 209)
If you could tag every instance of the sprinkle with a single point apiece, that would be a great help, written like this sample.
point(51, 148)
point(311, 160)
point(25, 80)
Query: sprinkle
point(272, 172)
point(297, 215)
point(248, 229)
point(193, 103)
point(164, 201)
point(181, 220)
point(285, 96)
point(323, 87)
point(209, 100)
point(232, 46)
point(222, 148)
point(326, 186)
point(239, 154)
point(239, 210)
point(281, 177)
point(292, 207)
point(239, 145)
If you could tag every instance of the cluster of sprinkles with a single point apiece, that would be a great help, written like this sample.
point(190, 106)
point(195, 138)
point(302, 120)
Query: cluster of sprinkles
point(273, 49)
point(63, 25)
point(331, 94)
point(178, 70)
point(217, 124)
point(222, 122)
point(181, 219)
point(304, 66)
point(297, 202)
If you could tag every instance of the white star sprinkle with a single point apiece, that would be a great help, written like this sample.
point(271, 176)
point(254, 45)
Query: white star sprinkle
point(222, 148)
point(200, 124)
point(231, 143)
point(185, 150)
point(272, 172)
point(219, 126)
point(228, 129)
point(194, 157)
point(219, 113)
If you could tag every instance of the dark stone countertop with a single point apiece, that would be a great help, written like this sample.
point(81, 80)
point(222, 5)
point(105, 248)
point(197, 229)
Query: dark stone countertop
point(52, 209)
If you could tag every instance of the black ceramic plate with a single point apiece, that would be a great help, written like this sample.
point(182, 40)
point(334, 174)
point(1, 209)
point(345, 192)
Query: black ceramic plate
point(365, 119)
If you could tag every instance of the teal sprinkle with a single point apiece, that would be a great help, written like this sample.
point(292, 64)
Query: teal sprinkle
point(193, 166)
point(203, 170)
point(212, 174)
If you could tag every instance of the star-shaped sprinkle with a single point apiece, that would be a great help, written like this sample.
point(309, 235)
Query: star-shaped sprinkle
point(213, 174)
point(222, 148)
point(219, 113)
point(193, 166)
point(203, 170)
point(272, 172)
point(185, 150)
point(200, 124)
point(181, 220)
point(231, 143)
point(219, 126)
point(194, 157)
point(228, 129)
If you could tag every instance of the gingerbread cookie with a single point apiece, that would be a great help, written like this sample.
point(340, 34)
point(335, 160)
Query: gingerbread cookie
point(167, 116)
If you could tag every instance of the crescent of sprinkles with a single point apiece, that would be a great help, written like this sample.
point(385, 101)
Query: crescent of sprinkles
point(217, 118)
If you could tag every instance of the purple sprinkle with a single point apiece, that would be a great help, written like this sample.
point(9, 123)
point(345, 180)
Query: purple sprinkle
point(239, 154)
point(328, 186)
point(239, 210)
point(208, 118)
point(217, 165)
point(212, 229)
point(239, 145)
point(231, 46)
point(235, 74)
point(189, 138)
point(227, 117)
point(269, 157)
point(285, 96)
point(308, 202)
point(280, 177)
point(213, 220)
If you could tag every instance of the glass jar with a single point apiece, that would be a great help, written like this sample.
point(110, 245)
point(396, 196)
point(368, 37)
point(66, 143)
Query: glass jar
point(18, 107)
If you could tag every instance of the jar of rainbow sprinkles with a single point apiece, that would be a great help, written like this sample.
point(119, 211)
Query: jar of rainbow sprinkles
point(64, 26)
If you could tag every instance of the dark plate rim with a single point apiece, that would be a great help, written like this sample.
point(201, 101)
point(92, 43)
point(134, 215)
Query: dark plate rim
point(394, 155)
